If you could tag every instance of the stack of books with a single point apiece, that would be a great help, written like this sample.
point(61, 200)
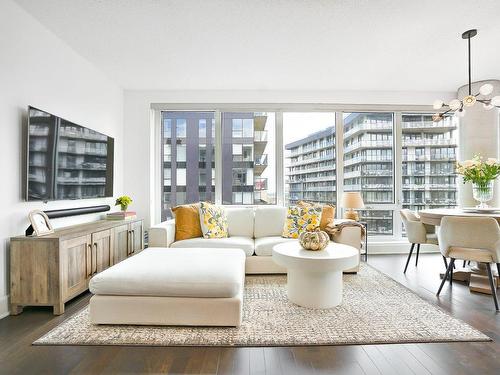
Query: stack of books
point(121, 215)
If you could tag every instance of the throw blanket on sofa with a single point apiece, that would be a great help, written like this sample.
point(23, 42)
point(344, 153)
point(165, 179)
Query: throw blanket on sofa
point(334, 229)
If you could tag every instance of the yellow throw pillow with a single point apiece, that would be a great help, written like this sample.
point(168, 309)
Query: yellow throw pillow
point(327, 214)
point(213, 221)
point(301, 219)
point(187, 221)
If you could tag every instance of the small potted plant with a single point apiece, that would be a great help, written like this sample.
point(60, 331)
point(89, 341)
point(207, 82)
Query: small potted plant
point(482, 173)
point(123, 201)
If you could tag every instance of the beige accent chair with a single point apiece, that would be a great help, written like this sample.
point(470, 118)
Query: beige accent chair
point(418, 233)
point(470, 238)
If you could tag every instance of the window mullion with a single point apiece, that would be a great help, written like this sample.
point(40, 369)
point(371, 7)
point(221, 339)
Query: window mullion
point(398, 168)
point(339, 159)
point(280, 160)
point(218, 157)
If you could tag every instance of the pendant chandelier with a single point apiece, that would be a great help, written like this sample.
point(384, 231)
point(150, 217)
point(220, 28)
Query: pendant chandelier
point(457, 106)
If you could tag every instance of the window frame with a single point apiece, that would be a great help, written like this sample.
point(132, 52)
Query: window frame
point(156, 133)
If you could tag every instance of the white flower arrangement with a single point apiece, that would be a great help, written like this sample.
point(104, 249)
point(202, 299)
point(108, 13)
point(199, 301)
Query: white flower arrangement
point(478, 170)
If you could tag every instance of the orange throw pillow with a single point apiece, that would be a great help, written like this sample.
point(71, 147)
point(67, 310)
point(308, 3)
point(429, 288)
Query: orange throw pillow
point(327, 214)
point(187, 221)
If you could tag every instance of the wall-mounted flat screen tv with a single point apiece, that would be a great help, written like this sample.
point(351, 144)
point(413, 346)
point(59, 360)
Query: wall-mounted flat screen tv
point(66, 160)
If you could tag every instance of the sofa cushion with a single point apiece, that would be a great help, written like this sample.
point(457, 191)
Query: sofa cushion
point(240, 221)
point(301, 219)
point(269, 221)
point(264, 245)
point(174, 273)
point(327, 213)
point(213, 221)
point(244, 243)
point(187, 221)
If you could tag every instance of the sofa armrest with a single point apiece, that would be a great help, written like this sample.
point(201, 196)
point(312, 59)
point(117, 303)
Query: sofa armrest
point(349, 235)
point(163, 234)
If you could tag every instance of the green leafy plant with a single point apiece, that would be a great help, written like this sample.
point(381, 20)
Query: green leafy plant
point(123, 201)
point(478, 170)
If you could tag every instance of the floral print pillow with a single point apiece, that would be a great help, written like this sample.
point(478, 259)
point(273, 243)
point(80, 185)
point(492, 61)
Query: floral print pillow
point(213, 221)
point(301, 219)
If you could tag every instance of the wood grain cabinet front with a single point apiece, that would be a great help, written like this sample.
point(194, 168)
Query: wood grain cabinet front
point(50, 270)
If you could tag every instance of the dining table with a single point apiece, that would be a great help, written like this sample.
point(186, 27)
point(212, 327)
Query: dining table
point(474, 273)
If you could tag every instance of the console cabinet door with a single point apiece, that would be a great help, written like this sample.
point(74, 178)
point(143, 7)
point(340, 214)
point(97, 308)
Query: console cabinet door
point(120, 243)
point(102, 250)
point(75, 257)
point(136, 237)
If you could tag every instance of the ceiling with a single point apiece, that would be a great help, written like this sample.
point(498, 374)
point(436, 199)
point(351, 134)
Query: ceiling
point(401, 45)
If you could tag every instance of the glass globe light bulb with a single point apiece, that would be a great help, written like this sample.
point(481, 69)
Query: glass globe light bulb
point(438, 104)
point(455, 104)
point(469, 100)
point(487, 106)
point(495, 101)
point(460, 113)
point(436, 117)
point(486, 89)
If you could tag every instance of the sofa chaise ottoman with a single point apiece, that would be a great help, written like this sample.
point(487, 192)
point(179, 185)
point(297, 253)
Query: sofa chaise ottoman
point(201, 287)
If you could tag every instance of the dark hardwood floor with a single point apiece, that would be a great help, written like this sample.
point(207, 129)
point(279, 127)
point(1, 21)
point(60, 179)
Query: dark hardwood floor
point(18, 356)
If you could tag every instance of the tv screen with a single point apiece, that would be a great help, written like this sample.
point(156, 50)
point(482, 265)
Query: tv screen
point(66, 160)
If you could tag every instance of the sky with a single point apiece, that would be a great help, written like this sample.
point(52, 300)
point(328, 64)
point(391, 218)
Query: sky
point(296, 125)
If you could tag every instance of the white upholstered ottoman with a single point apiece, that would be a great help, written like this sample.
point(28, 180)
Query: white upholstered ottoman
point(165, 286)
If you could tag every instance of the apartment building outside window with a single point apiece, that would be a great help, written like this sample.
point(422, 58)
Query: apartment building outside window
point(282, 157)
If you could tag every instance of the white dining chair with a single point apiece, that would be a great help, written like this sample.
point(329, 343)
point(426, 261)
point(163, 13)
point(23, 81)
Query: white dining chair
point(418, 233)
point(470, 238)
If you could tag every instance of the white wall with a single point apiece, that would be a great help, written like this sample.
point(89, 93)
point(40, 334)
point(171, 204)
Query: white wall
point(479, 134)
point(137, 119)
point(37, 68)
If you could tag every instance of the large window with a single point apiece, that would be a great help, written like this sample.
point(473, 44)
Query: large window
point(428, 162)
point(188, 140)
point(275, 154)
point(369, 165)
point(309, 156)
point(248, 158)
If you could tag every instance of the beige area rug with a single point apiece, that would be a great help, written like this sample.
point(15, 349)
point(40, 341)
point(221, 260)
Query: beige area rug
point(375, 309)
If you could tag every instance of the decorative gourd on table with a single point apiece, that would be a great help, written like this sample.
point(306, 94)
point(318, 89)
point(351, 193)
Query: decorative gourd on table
point(314, 241)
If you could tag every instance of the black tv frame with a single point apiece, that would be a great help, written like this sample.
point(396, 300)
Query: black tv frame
point(25, 162)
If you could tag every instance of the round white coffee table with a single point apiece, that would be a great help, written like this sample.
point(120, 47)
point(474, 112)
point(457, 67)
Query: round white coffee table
point(315, 277)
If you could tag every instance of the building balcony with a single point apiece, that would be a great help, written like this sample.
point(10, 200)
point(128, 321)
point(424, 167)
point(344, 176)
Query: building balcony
point(386, 143)
point(85, 134)
point(260, 184)
point(313, 160)
point(324, 168)
point(260, 136)
point(448, 187)
point(365, 126)
point(259, 121)
point(260, 164)
point(38, 131)
point(428, 142)
point(363, 159)
point(428, 125)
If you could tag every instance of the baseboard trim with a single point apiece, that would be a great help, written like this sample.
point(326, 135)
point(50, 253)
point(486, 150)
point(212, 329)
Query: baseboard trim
point(4, 306)
point(393, 247)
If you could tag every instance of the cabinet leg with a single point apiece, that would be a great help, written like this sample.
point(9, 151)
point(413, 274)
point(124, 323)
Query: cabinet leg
point(59, 309)
point(15, 309)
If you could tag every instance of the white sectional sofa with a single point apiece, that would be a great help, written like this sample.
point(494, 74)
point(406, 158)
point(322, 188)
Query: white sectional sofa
point(255, 230)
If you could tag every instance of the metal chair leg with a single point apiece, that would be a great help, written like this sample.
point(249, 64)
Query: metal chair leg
point(465, 262)
point(445, 262)
point(409, 256)
point(451, 273)
point(492, 285)
point(418, 252)
point(448, 270)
